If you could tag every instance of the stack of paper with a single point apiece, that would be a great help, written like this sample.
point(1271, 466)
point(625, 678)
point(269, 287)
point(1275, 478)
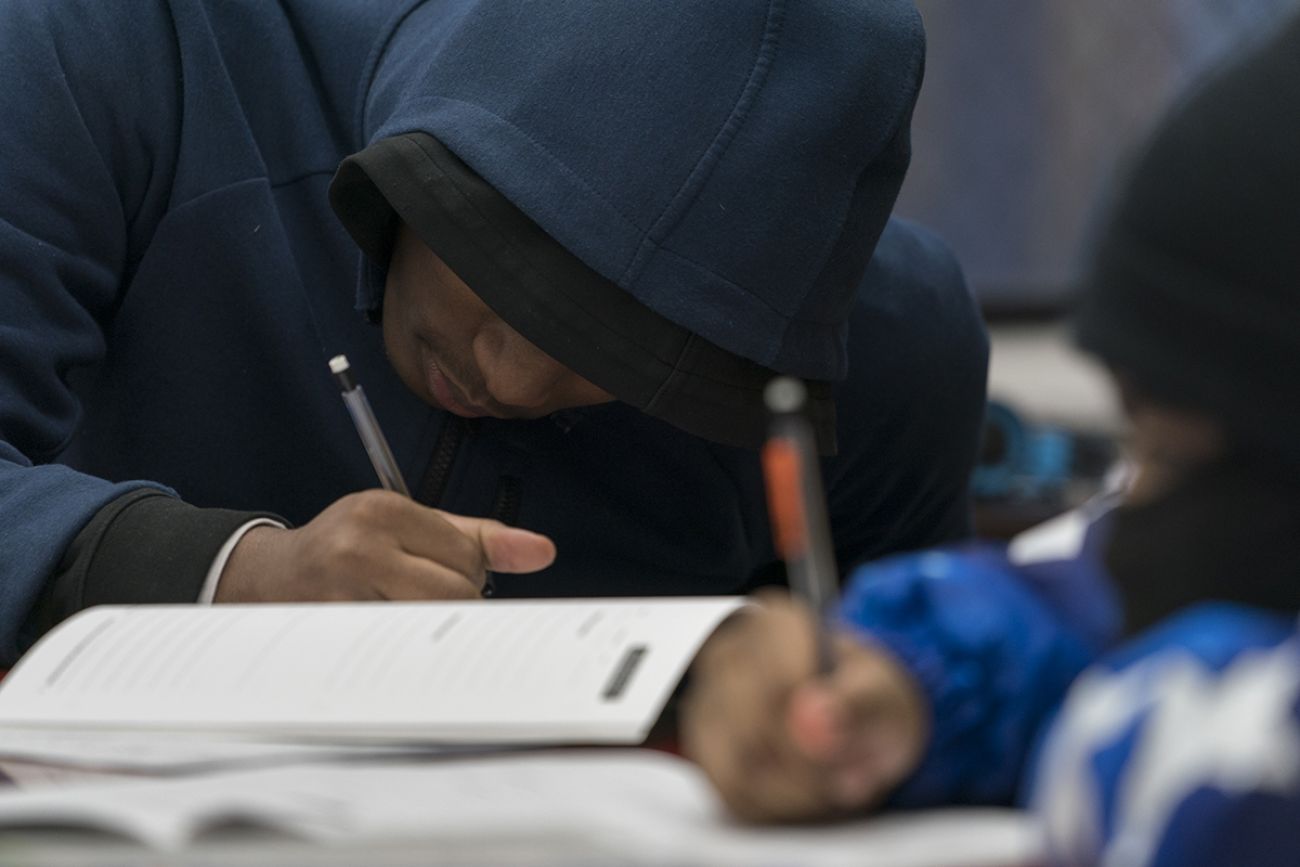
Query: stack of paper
point(607, 806)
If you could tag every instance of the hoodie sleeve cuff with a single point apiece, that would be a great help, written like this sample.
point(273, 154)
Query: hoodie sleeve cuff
point(145, 547)
point(991, 658)
point(208, 592)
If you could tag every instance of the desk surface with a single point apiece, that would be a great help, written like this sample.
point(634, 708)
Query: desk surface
point(623, 807)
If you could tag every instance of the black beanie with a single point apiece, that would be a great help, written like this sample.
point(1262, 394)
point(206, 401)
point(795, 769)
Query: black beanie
point(1193, 291)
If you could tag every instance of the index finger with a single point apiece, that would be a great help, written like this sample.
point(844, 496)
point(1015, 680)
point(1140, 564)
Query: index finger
point(430, 535)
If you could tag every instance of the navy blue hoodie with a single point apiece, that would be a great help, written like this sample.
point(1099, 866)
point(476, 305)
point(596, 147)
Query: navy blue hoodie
point(172, 278)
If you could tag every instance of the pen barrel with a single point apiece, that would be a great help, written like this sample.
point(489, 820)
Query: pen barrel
point(801, 526)
point(381, 456)
point(802, 523)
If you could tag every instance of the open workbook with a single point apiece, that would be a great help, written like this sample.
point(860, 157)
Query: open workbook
point(504, 672)
point(232, 720)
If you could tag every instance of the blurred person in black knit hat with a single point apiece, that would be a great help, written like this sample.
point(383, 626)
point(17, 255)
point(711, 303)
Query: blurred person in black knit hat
point(1182, 746)
point(1193, 300)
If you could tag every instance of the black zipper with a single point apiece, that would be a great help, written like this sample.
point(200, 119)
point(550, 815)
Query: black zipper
point(505, 508)
point(434, 483)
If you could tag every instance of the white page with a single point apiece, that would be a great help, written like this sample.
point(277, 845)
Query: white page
point(164, 815)
point(172, 752)
point(638, 807)
point(501, 671)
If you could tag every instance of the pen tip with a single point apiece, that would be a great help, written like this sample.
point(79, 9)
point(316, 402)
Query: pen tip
point(785, 394)
point(338, 364)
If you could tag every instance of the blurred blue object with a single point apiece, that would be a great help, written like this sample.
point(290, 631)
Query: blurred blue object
point(1025, 461)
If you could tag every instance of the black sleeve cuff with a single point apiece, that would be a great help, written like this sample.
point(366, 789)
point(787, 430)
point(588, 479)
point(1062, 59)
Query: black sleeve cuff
point(145, 547)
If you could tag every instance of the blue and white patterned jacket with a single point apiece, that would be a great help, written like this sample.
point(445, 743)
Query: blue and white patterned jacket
point(1181, 747)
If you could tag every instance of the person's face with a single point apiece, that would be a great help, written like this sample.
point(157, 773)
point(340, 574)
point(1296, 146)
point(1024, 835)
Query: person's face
point(1204, 517)
point(1164, 445)
point(455, 353)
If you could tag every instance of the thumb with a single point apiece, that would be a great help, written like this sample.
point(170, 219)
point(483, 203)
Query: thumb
point(856, 758)
point(817, 719)
point(506, 549)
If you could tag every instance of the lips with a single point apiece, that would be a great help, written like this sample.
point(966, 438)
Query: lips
point(443, 391)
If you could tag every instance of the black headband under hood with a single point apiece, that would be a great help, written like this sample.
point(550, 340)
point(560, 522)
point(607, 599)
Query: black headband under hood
point(550, 297)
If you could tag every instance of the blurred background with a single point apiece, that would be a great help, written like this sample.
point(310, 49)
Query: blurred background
point(1028, 109)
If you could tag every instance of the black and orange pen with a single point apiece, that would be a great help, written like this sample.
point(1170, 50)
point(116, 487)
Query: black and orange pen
point(798, 507)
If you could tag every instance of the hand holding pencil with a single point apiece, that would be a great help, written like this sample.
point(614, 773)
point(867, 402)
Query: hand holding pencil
point(789, 721)
point(377, 544)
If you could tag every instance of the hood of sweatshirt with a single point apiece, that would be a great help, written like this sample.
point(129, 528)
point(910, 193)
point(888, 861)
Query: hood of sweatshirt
point(724, 168)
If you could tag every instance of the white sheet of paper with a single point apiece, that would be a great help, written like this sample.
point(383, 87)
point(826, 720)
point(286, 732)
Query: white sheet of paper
point(170, 752)
point(450, 672)
point(636, 806)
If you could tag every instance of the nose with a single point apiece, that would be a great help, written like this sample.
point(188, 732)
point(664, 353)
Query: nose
point(515, 372)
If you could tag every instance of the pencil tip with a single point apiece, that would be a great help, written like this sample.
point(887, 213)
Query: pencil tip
point(785, 394)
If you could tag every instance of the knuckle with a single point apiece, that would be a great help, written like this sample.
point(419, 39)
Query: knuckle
point(342, 550)
point(372, 507)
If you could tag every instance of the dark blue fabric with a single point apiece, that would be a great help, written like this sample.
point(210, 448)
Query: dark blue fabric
point(172, 280)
